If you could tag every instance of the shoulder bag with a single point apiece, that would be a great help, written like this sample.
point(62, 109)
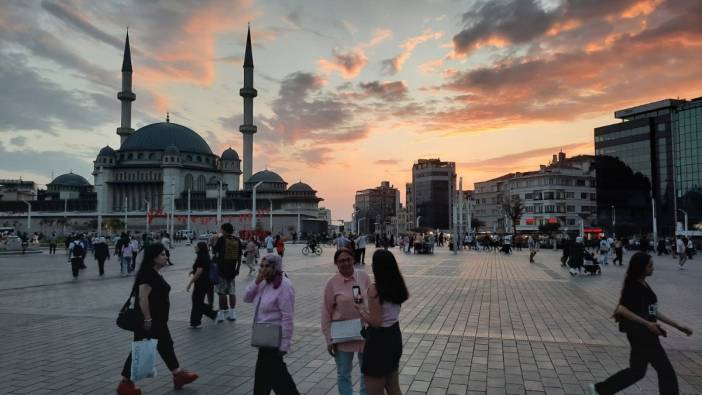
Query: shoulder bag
point(265, 335)
point(129, 318)
point(347, 330)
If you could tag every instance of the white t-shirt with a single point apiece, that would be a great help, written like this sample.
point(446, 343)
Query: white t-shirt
point(604, 245)
point(680, 246)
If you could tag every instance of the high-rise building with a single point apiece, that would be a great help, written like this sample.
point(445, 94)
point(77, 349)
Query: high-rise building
point(636, 164)
point(433, 190)
point(488, 197)
point(409, 204)
point(687, 166)
point(374, 207)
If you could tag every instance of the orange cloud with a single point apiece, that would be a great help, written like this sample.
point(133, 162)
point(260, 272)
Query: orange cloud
point(394, 65)
point(350, 63)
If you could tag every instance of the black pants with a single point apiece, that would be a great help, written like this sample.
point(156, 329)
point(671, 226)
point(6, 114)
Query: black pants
point(199, 306)
point(210, 294)
point(643, 353)
point(164, 347)
point(101, 265)
point(618, 256)
point(75, 266)
point(362, 255)
point(52, 249)
point(272, 374)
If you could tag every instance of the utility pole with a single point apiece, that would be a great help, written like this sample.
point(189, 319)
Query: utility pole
point(219, 205)
point(148, 210)
point(125, 213)
point(188, 212)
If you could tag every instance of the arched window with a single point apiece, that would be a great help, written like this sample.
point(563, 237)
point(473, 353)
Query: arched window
point(200, 183)
point(151, 155)
point(130, 156)
point(140, 155)
point(188, 181)
point(189, 158)
point(199, 158)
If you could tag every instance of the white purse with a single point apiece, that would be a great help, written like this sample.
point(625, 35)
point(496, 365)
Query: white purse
point(346, 331)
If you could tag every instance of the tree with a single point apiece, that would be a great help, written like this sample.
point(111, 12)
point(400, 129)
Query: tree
point(476, 224)
point(549, 228)
point(513, 209)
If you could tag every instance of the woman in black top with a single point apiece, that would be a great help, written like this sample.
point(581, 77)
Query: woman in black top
point(638, 316)
point(153, 303)
point(200, 277)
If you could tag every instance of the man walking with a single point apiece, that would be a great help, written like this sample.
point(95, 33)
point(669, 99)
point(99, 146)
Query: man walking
point(76, 253)
point(533, 249)
point(361, 249)
point(680, 249)
point(52, 243)
point(227, 253)
point(604, 251)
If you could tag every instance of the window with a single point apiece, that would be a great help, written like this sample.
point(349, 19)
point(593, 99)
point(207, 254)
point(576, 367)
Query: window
point(570, 209)
point(593, 196)
point(583, 195)
point(580, 183)
point(571, 221)
point(188, 181)
point(528, 196)
point(570, 195)
point(548, 196)
point(200, 183)
point(199, 158)
point(140, 155)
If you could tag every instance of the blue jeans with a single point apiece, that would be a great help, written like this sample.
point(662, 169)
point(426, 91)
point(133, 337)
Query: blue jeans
point(344, 364)
point(124, 264)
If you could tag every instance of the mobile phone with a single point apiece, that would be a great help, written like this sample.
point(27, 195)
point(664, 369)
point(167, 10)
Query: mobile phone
point(357, 294)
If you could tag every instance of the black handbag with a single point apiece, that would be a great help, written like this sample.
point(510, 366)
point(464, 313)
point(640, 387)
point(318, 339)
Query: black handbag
point(129, 318)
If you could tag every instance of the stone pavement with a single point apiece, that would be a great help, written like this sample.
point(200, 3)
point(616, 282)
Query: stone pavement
point(479, 322)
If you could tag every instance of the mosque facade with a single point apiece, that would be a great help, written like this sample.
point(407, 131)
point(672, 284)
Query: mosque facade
point(166, 168)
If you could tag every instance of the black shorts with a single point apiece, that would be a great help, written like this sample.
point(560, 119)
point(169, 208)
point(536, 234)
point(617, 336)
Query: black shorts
point(382, 351)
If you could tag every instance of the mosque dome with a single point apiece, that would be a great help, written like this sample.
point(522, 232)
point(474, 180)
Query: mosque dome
point(300, 187)
point(106, 151)
point(172, 150)
point(265, 176)
point(230, 154)
point(69, 179)
point(158, 136)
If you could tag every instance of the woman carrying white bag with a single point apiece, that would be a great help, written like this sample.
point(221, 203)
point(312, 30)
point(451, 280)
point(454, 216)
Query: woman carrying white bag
point(273, 296)
point(341, 322)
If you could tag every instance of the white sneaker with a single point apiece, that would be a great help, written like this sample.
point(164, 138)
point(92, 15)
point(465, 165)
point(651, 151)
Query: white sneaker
point(232, 315)
point(220, 316)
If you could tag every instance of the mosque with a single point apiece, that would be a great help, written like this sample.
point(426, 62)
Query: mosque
point(166, 169)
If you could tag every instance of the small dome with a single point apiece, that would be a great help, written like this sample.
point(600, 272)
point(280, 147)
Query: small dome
point(300, 187)
point(172, 150)
point(158, 136)
point(230, 154)
point(265, 176)
point(70, 179)
point(107, 151)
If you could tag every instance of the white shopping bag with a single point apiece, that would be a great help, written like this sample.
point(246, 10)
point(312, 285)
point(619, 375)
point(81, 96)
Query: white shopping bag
point(143, 359)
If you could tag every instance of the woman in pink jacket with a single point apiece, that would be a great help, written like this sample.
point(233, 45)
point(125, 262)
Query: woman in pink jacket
point(338, 307)
point(274, 295)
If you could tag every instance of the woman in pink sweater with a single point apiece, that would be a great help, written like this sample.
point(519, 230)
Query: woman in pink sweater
point(274, 295)
point(338, 310)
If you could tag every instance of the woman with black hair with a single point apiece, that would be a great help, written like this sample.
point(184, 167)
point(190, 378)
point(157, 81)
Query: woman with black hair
point(153, 303)
point(638, 316)
point(383, 348)
point(200, 277)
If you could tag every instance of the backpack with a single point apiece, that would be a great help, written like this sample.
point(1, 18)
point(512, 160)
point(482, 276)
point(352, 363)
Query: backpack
point(78, 250)
point(232, 249)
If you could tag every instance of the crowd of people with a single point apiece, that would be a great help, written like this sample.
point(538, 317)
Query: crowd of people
point(358, 317)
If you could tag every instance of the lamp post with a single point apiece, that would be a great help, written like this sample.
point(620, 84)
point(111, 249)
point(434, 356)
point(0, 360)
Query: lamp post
point(188, 212)
point(148, 209)
point(270, 214)
point(65, 215)
point(685, 228)
point(614, 216)
point(29, 215)
point(125, 213)
point(170, 233)
point(418, 217)
point(299, 231)
point(253, 206)
point(99, 211)
point(219, 204)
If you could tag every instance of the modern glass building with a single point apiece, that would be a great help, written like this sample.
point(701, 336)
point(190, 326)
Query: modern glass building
point(687, 155)
point(433, 188)
point(648, 162)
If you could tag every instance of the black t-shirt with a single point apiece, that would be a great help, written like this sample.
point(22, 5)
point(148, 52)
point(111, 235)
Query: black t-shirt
point(159, 302)
point(642, 301)
point(227, 268)
point(204, 264)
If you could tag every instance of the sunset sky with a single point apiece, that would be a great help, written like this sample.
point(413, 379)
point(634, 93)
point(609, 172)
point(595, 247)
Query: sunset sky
point(350, 92)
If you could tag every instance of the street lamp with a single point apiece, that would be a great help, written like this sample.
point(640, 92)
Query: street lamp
point(253, 206)
point(614, 216)
point(29, 216)
point(418, 217)
point(270, 214)
point(684, 212)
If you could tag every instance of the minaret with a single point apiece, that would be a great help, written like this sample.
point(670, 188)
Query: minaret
point(248, 93)
point(126, 96)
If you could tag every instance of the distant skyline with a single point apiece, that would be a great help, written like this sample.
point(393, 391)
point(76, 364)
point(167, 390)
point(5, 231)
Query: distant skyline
point(350, 93)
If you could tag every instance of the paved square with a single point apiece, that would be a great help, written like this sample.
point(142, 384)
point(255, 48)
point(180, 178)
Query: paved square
point(479, 322)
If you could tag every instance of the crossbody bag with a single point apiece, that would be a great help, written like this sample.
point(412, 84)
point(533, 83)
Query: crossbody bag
point(265, 335)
